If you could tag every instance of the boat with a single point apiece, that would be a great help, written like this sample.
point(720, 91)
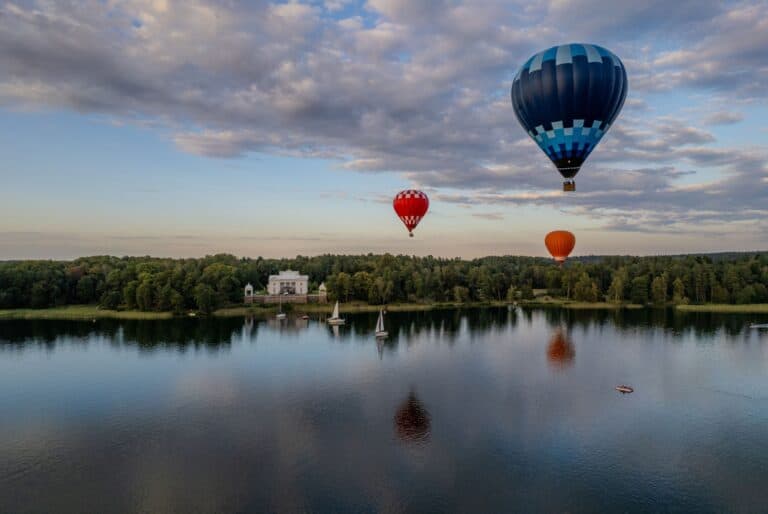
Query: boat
point(335, 319)
point(305, 317)
point(380, 332)
point(624, 389)
point(759, 325)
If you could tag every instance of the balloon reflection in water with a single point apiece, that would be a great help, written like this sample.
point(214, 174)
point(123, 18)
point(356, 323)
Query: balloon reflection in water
point(560, 351)
point(412, 421)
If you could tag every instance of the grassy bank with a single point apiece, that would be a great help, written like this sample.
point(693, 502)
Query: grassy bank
point(570, 304)
point(351, 307)
point(751, 308)
point(79, 312)
point(89, 312)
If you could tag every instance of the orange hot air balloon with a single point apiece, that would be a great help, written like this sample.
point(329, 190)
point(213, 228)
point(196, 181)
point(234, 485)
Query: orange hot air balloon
point(560, 244)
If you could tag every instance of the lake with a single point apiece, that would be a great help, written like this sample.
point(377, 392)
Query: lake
point(477, 410)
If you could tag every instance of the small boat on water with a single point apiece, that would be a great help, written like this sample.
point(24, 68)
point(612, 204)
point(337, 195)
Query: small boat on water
point(305, 317)
point(624, 389)
point(759, 325)
point(280, 315)
point(380, 332)
point(335, 319)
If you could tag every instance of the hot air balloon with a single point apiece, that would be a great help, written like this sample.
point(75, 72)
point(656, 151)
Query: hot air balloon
point(560, 244)
point(411, 205)
point(566, 98)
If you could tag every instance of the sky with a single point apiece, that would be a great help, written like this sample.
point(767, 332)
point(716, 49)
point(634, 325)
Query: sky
point(156, 127)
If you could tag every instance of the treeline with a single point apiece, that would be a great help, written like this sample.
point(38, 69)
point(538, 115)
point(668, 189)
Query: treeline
point(178, 285)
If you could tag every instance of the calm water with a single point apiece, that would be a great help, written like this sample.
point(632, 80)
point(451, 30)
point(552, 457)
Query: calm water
point(468, 411)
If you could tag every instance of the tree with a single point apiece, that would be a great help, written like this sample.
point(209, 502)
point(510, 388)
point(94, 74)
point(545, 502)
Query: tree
point(177, 302)
point(361, 284)
point(39, 295)
point(678, 292)
point(86, 289)
point(343, 286)
point(659, 290)
point(381, 291)
point(618, 284)
point(639, 293)
point(205, 298)
point(526, 291)
point(110, 300)
point(585, 289)
point(171, 284)
point(460, 294)
point(129, 294)
point(719, 294)
point(165, 298)
point(144, 296)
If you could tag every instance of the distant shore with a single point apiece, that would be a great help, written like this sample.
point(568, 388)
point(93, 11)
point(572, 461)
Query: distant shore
point(79, 312)
point(750, 308)
point(91, 312)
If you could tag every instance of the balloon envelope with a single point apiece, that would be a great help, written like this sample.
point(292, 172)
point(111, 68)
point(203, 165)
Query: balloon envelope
point(560, 244)
point(566, 98)
point(411, 206)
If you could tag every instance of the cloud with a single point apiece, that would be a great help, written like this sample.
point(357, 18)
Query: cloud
point(490, 216)
point(723, 118)
point(724, 52)
point(417, 88)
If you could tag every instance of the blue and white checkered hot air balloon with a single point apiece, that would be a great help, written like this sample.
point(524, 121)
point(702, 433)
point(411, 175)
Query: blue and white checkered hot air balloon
point(566, 98)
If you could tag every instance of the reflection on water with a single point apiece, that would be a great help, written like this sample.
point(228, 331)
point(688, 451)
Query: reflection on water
point(477, 410)
point(412, 422)
point(560, 351)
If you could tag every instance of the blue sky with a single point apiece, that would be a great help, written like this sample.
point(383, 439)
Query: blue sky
point(189, 128)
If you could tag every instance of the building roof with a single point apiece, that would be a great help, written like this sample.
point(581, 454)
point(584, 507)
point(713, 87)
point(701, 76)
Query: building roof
point(288, 275)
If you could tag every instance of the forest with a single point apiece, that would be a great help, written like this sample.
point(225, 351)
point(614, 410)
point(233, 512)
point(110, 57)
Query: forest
point(208, 283)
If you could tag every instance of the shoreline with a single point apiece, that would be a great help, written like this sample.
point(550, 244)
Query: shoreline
point(748, 308)
point(93, 312)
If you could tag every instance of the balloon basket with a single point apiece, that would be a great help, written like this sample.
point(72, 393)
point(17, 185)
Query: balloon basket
point(569, 185)
point(410, 234)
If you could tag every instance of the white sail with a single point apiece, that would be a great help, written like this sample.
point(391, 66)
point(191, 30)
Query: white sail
point(335, 319)
point(380, 332)
point(335, 314)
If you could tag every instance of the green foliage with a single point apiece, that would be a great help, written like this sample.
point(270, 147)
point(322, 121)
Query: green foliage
point(585, 289)
point(659, 290)
point(526, 291)
point(639, 292)
point(177, 285)
point(619, 281)
point(678, 292)
point(205, 298)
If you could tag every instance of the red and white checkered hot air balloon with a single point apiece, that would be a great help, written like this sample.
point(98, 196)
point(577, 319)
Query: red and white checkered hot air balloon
point(411, 205)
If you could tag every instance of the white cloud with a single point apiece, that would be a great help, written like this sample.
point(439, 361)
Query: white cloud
point(419, 88)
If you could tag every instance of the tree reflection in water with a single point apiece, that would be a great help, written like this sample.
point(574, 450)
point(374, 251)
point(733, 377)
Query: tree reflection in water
point(560, 351)
point(412, 421)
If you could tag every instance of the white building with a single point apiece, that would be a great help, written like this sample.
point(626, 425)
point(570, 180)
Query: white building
point(288, 282)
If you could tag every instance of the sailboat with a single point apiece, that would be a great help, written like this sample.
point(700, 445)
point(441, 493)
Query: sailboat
point(335, 319)
point(380, 332)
